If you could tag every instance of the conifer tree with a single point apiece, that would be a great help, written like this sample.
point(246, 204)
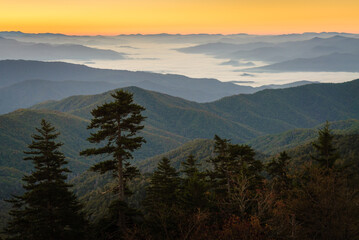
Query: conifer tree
point(190, 166)
point(163, 186)
point(233, 160)
point(48, 210)
point(221, 173)
point(326, 152)
point(117, 122)
point(161, 200)
point(278, 171)
point(194, 187)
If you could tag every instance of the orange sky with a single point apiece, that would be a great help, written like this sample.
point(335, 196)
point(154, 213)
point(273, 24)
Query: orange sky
point(110, 17)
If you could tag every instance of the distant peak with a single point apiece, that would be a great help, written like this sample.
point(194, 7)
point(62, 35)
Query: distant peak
point(338, 37)
point(317, 38)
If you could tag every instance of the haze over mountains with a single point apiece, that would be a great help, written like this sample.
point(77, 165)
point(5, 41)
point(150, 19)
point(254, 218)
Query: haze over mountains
point(335, 62)
point(223, 57)
point(267, 119)
point(194, 107)
point(13, 49)
point(25, 83)
point(319, 54)
point(247, 88)
point(165, 38)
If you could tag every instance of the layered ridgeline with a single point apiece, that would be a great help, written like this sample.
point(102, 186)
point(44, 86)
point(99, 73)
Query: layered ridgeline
point(17, 71)
point(174, 121)
point(239, 117)
point(328, 54)
point(25, 83)
point(13, 49)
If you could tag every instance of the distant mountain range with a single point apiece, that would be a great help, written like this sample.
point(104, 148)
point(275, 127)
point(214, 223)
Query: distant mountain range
point(164, 38)
point(336, 53)
point(183, 114)
point(335, 62)
point(25, 83)
point(29, 92)
point(13, 49)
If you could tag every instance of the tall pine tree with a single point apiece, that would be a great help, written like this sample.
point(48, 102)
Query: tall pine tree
point(278, 171)
point(163, 186)
point(118, 123)
point(48, 210)
point(231, 161)
point(326, 152)
point(194, 188)
point(161, 200)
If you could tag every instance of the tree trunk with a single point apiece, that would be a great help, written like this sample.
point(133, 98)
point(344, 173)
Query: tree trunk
point(121, 187)
point(121, 194)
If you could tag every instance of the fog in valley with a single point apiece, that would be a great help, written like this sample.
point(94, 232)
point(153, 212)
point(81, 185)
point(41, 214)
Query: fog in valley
point(228, 58)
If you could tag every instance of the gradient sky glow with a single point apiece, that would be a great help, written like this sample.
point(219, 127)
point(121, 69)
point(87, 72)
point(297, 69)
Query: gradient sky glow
point(111, 17)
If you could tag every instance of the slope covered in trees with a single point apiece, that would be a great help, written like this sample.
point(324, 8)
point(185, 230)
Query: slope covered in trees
point(97, 198)
point(234, 197)
point(239, 117)
point(274, 143)
point(273, 207)
point(17, 127)
point(47, 209)
point(297, 142)
point(172, 114)
point(284, 109)
point(173, 121)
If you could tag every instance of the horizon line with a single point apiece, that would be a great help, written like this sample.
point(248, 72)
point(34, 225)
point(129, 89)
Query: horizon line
point(180, 34)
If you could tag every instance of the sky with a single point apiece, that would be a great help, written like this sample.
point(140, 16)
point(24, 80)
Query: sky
point(112, 17)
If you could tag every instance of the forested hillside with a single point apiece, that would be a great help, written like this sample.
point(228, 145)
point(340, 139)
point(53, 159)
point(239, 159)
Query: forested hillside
point(172, 114)
point(269, 121)
point(173, 121)
point(239, 117)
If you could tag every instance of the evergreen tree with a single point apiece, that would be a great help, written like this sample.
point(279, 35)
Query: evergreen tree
point(222, 166)
point(278, 171)
point(327, 154)
point(233, 161)
point(164, 185)
point(190, 167)
point(194, 189)
point(118, 123)
point(161, 200)
point(48, 210)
